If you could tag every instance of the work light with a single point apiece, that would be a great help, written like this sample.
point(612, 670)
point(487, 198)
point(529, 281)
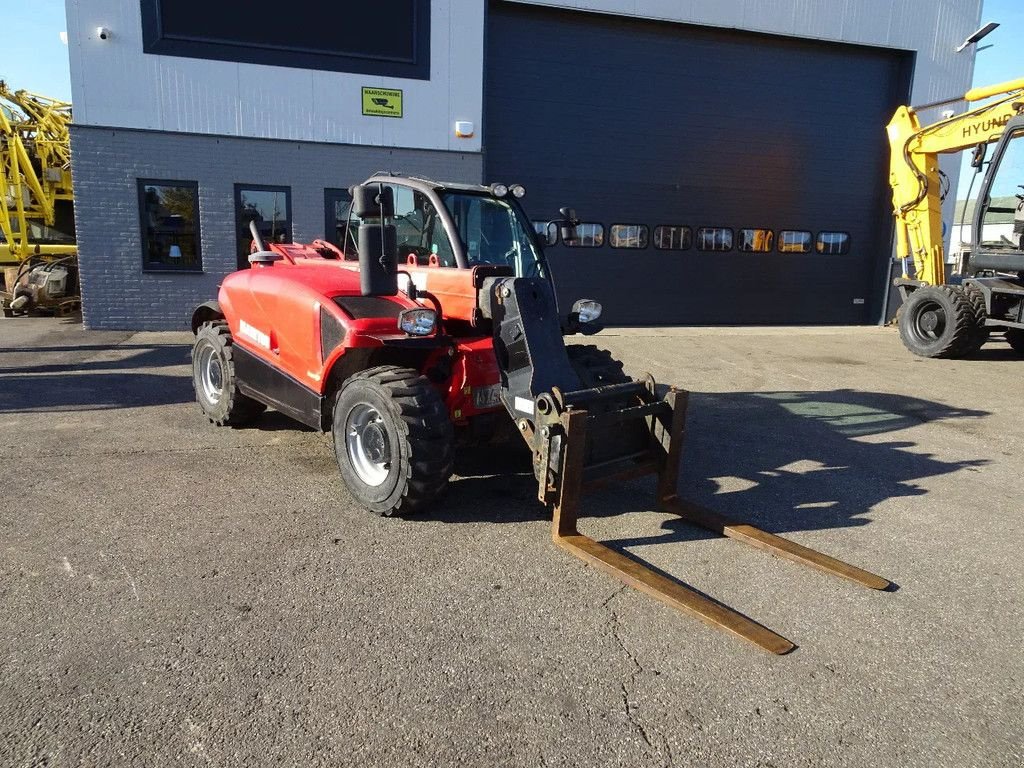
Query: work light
point(417, 322)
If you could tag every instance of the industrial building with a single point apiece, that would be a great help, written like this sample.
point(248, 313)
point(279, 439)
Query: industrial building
point(727, 157)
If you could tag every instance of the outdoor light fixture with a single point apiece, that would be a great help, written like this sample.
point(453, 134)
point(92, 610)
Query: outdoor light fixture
point(984, 31)
point(102, 33)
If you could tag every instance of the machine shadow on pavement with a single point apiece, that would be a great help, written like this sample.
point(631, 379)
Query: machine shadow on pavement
point(68, 379)
point(783, 461)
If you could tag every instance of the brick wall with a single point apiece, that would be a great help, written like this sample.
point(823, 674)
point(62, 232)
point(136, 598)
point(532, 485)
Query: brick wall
point(106, 163)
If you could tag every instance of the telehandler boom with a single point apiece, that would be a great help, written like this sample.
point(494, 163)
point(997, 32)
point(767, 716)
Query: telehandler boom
point(939, 319)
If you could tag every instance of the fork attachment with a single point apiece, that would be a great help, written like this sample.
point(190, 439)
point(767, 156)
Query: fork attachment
point(583, 439)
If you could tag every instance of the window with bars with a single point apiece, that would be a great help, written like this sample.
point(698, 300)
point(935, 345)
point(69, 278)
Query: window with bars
point(755, 240)
point(588, 235)
point(833, 243)
point(794, 241)
point(628, 236)
point(714, 239)
point(669, 237)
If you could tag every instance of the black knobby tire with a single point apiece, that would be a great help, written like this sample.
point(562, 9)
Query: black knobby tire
point(937, 321)
point(393, 439)
point(979, 331)
point(215, 381)
point(1015, 338)
point(595, 367)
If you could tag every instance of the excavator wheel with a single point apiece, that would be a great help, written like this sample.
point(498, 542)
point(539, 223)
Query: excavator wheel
point(1015, 338)
point(393, 440)
point(215, 381)
point(980, 333)
point(938, 321)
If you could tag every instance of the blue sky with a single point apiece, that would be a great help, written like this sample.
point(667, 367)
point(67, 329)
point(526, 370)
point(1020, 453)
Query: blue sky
point(35, 58)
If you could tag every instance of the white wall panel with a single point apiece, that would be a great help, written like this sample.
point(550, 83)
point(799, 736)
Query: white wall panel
point(115, 84)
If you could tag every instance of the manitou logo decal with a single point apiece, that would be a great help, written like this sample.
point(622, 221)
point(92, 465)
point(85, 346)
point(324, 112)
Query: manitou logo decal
point(975, 130)
point(253, 334)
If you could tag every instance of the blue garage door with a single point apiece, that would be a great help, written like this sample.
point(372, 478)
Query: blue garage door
point(725, 177)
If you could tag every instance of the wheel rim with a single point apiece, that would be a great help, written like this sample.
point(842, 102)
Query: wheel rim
point(929, 322)
point(211, 374)
point(367, 444)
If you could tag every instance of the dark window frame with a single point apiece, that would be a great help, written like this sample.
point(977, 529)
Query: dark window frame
point(644, 247)
point(330, 193)
point(732, 240)
point(156, 41)
point(844, 252)
point(810, 241)
point(737, 238)
point(261, 188)
point(654, 237)
point(148, 266)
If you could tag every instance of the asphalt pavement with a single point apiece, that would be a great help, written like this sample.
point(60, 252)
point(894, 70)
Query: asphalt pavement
point(172, 593)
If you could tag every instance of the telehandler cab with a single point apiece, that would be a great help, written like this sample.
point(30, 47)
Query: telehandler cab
point(437, 316)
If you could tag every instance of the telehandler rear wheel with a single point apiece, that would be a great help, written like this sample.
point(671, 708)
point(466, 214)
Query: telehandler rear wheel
point(938, 321)
point(393, 439)
point(214, 379)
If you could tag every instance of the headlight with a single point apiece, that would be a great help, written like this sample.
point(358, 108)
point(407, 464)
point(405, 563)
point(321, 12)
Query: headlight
point(417, 322)
point(499, 190)
point(518, 190)
point(587, 310)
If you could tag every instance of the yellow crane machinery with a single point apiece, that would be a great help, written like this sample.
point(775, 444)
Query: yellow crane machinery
point(37, 244)
point(951, 315)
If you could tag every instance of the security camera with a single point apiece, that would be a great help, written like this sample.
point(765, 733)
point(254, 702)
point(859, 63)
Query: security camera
point(103, 32)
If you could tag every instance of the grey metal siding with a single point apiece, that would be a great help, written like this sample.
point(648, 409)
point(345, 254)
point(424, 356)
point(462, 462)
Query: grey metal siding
point(633, 121)
point(117, 294)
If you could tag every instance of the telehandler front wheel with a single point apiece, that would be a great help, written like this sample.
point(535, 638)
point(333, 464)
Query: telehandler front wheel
point(1015, 338)
point(393, 439)
point(938, 321)
point(214, 379)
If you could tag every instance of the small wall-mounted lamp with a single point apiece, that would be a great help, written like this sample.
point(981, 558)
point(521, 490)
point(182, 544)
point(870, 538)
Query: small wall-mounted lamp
point(977, 36)
point(464, 129)
point(103, 33)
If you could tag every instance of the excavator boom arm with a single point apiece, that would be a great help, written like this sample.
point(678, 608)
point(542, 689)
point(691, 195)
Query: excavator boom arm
point(914, 169)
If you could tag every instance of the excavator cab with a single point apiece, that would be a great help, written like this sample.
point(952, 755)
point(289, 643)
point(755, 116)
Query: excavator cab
point(997, 241)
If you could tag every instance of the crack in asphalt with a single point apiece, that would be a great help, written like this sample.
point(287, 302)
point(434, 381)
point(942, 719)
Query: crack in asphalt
point(638, 669)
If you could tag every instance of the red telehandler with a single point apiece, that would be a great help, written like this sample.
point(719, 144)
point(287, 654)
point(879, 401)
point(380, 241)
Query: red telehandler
point(438, 315)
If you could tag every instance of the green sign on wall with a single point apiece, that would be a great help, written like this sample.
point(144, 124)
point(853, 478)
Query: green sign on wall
point(382, 102)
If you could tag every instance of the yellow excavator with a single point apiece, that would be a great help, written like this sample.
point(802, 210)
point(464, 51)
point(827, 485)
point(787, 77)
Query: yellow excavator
point(38, 255)
point(952, 315)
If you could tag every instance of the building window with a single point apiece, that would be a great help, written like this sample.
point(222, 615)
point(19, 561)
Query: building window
point(588, 235)
point(336, 205)
point(833, 243)
point(794, 241)
point(169, 215)
point(270, 208)
point(714, 239)
point(387, 37)
point(673, 238)
point(628, 236)
point(755, 240)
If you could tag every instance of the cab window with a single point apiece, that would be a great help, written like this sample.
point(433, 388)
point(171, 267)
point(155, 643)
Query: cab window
point(1002, 220)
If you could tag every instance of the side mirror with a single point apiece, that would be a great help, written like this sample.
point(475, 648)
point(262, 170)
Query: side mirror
point(373, 201)
point(378, 241)
point(978, 157)
point(567, 226)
